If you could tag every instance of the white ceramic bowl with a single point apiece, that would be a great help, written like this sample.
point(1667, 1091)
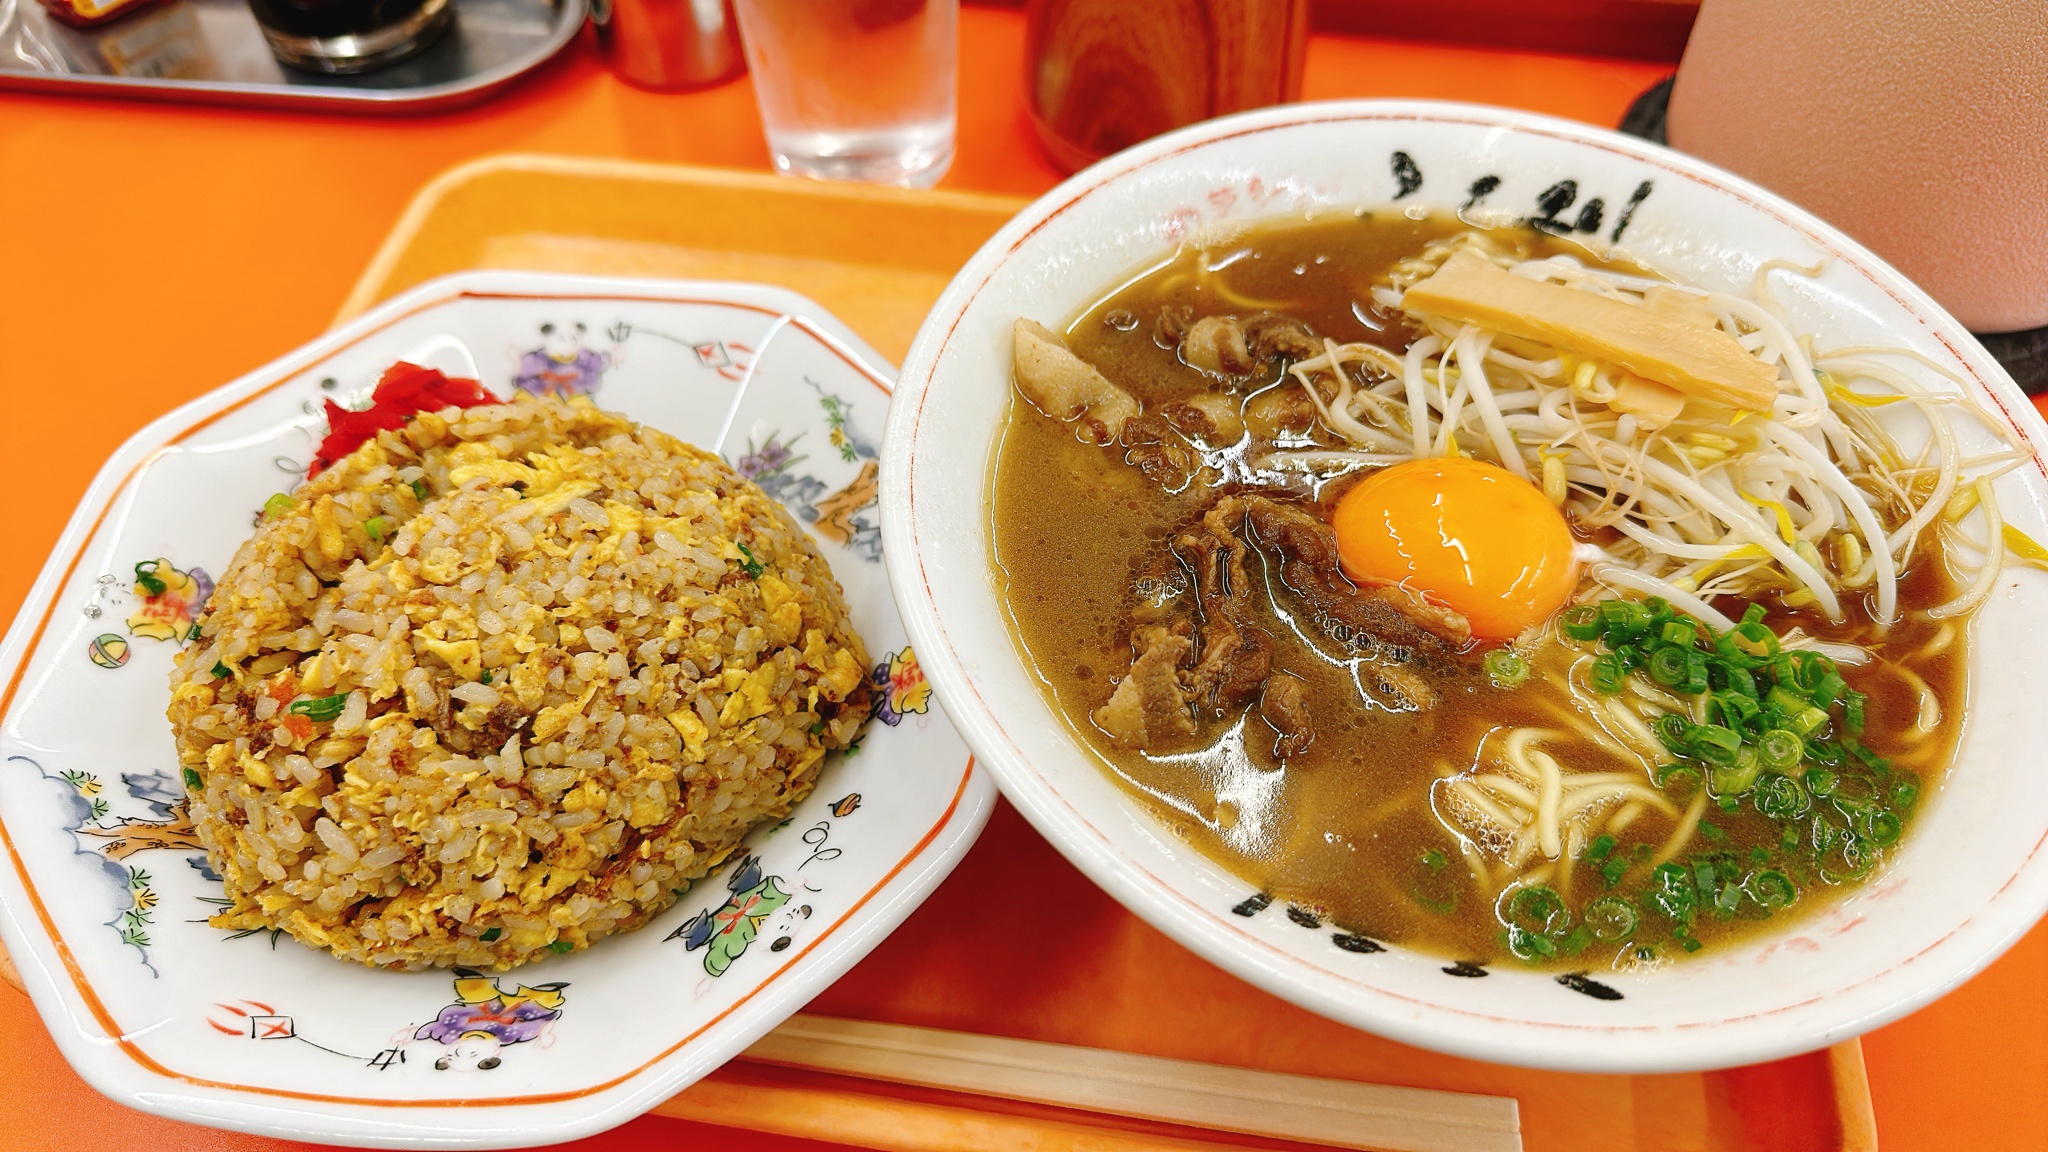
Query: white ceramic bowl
point(1971, 876)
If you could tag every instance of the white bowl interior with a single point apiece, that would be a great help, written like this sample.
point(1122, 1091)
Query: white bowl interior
point(1969, 878)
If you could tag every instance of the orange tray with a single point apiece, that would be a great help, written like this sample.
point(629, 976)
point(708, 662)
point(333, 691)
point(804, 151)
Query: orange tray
point(1017, 943)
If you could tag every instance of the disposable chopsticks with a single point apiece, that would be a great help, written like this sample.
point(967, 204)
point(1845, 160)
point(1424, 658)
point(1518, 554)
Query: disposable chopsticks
point(1338, 1113)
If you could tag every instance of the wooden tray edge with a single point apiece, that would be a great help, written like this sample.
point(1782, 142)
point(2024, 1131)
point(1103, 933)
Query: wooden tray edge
point(375, 283)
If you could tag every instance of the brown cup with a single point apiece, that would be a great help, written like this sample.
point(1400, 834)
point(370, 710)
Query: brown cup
point(1105, 74)
point(669, 45)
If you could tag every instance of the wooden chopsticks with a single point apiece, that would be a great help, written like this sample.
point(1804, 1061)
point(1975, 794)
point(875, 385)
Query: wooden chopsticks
point(1336, 1113)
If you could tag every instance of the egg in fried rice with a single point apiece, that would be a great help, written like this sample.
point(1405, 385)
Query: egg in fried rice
point(501, 682)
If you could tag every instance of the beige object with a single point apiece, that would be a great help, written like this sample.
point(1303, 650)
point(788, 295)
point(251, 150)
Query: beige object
point(1919, 127)
point(1066, 387)
point(1695, 360)
point(1313, 1109)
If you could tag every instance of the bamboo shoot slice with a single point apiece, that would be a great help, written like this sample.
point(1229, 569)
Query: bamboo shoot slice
point(1655, 344)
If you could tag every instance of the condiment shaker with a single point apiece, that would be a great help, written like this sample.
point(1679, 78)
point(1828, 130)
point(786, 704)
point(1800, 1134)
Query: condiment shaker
point(669, 44)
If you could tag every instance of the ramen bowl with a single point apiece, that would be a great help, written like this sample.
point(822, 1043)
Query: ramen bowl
point(1971, 875)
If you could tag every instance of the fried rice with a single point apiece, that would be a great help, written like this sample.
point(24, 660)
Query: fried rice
point(503, 682)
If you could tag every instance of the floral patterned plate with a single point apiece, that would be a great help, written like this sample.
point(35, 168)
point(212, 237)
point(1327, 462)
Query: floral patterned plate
point(104, 908)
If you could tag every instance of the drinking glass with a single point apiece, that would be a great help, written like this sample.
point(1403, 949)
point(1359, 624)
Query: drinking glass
point(855, 89)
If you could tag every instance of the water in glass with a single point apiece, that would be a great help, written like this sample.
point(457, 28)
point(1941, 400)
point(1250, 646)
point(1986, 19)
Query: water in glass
point(855, 89)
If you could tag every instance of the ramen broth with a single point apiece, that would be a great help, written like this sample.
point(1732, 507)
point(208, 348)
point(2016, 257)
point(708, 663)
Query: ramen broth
point(1350, 833)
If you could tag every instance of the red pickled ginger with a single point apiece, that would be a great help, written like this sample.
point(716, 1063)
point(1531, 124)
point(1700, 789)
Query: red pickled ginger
point(404, 391)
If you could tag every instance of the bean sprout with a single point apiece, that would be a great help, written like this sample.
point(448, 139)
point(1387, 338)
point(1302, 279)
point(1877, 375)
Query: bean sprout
point(1804, 503)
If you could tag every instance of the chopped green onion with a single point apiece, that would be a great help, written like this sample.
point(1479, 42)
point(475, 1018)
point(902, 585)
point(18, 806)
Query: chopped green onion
point(485, 676)
point(221, 671)
point(1695, 672)
point(1537, 908)
point(1726, 902)
point(1825, 835)
point(1611, 918)
point(1807, 721)
point(560, 946)
point(376, 526)
point(1754, 614)
point(1623, 620)
point(1881, 827)
point(1612, 871)
point(1810, 675)
point(1531, 946)
point(1580, 622)
point(1730, 709)
point(1772, 889)
point(490, 934)
point(278, 505)
point(1667, 665)
point(1671, 730)
point(192, 778)
point(1601, 848)
point(1575, 941)
point(1506, 668)
point(419, 490)
point(1780, 749)
point(1905, 792)
point(1704, 876)
point(1713, 743)
point(1433, 860)
point(1786, 700)
point(1713, 832)
point(1779, 797)
point(1609, 673)
point(1669, 775)
point(751, 566)
point(1852, 711)
point(1670, 891)
point(1679, 632)
point(1740, 681)
point(1825, 752)
point(1871, 760)
point(1730, 780)
point(1830, 687)
point(1857, 855)
point(320, 708)
point(1754, 640)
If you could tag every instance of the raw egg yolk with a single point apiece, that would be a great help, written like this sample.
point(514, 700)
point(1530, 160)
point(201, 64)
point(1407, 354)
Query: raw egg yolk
point(1473, 537)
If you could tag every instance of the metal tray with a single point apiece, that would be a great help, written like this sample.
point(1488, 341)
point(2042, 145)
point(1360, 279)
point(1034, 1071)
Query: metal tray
point(211, 51)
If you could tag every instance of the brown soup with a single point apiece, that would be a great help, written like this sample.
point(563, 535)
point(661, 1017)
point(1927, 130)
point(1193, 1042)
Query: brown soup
point(1357, 830)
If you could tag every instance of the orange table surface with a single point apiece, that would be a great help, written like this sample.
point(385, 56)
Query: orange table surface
point(149, 253)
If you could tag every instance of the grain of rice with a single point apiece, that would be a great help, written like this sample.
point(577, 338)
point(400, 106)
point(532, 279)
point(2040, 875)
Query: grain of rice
point(592, 568)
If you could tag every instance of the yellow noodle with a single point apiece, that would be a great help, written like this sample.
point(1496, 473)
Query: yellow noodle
point(1682, 835)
